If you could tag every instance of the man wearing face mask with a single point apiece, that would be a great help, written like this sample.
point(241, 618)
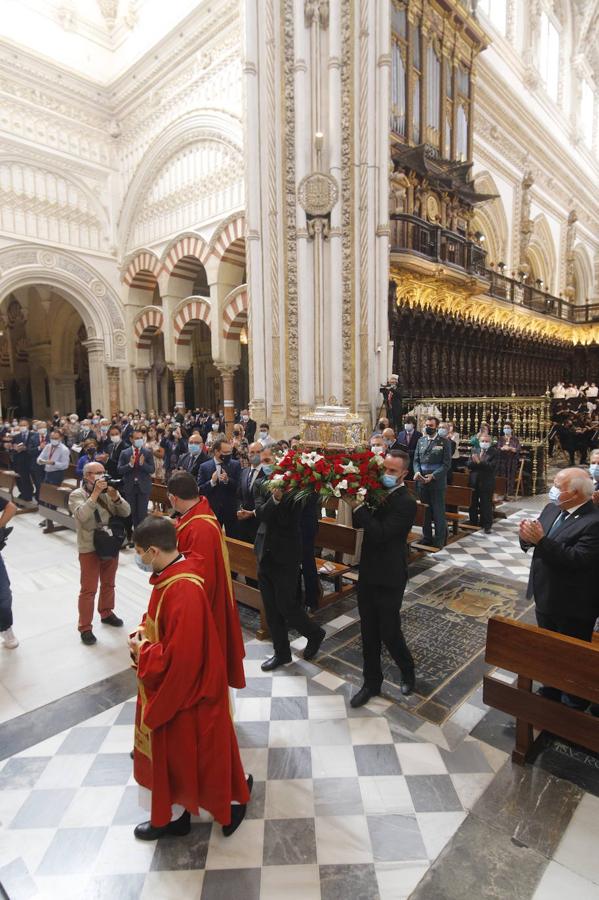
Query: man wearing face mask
point(54, 459)
point(482, 465)
point(383, 578)
point(252, 476)
point(92, 506)
point(200, 535)
point(249, 426)
point(378, 445)
point(565, 563)
point(432, 461)
point(390, 440)
point(114, 448)
point(218, 481)
point(264, 435)
point(195, 456)
point(25, 450)
point(136, 467)
point(407, 440)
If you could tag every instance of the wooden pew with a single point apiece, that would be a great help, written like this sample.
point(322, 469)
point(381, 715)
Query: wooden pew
point(456, 499)
point(242, 560)
point(534, 654)
point(8, 484)
point(159, 498)
point(341, 539)
point(54, 507)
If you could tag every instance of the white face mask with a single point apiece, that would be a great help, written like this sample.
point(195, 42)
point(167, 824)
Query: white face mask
point(378, 449)
point(115, 438)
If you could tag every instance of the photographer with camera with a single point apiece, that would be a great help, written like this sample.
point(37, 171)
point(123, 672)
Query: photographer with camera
point(392, 399)
point(7, 511)
point(99, 512)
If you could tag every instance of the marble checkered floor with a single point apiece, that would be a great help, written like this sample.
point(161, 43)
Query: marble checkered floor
point(345, 804)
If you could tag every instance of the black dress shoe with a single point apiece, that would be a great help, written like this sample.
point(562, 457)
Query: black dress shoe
point(88, 637)
point(313, 645)
point(274, 662)
point(363, 696)
point(488, 530)
point(406, 684)
point(148, 832)
point(238, 811)
point(112, 620)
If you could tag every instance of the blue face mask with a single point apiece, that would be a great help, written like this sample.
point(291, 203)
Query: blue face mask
point(194, 448)
point(554, 494)
point(145, 567)
point(389, 481)
point(507, 431)
point(594, 470)
point(138, 442)
point(267, 469)
point(443, 432)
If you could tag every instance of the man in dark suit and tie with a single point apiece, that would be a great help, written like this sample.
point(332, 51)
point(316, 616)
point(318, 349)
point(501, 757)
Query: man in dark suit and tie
point(251, 479)
point(25, 451)
point(407, 440)
point(218, 481)
point(114, 448)
point(482, 465)
point(136, 467)
point(383, 578)
point(195, 456)
point(278, 550)
point(565, 564)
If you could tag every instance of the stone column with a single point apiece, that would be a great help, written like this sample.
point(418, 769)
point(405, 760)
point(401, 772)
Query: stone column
point(226, 374)
point(114, 393)
point(141, 376)
point(97, 380)
point(62, 392)
point(179, 377)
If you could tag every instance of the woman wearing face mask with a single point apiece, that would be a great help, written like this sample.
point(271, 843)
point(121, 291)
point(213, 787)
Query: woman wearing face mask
point(509, 458)
point(594, 473)
point(482, 466)
point(88, 454)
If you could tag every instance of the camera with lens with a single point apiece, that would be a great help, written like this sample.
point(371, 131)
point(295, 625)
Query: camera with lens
point(115, 483)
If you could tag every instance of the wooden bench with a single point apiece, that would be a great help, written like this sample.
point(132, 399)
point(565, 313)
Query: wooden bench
point(534, 654)
point(461, 479)
point(242, 560)
point(8, 484)
point(456, 499)
point(54, 507)
point(158, 496)
point(341, 539)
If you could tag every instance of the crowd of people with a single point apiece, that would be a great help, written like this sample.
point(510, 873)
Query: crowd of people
point(188, 647)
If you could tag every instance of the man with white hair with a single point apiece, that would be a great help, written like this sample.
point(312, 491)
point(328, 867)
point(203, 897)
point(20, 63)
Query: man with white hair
point(565, 564)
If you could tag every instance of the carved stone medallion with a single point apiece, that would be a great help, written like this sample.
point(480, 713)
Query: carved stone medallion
point(317, 194)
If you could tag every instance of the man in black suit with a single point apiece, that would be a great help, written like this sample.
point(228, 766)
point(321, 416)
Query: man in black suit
point(25, 451)
point(565, 564)
point(114, 448)
point(482, 465)
point(392, 397)
point(136, 467)
point(195, 456)
point(278, 550)
point(407, 440)
point(251, 479)
point(383, 578)
point(249, 426)
point(218, 480)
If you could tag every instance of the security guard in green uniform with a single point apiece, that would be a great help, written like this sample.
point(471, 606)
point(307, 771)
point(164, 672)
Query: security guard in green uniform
point(432, 462)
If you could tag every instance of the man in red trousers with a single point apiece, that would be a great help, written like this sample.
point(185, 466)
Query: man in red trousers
point(200, 534)
point(186, 750)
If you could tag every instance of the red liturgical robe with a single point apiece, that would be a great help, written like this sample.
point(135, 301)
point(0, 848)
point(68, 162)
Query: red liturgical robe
point(186, 749)
point(199, 534)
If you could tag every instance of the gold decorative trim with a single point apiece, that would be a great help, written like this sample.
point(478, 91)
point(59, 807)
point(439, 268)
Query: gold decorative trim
point(348, 316)
point(428, 293)
point(289, 217)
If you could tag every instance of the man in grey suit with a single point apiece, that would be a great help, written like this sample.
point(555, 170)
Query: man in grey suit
point(136, 467)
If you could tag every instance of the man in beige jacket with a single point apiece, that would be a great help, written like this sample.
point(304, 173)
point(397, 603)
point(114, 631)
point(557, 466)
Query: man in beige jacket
point(92, 505)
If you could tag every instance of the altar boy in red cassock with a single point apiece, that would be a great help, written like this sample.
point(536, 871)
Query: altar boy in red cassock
point(200, 534)
point(186, 750)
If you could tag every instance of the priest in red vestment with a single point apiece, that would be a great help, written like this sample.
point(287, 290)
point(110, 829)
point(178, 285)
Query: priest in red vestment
point(200, 534)
point(186, 750)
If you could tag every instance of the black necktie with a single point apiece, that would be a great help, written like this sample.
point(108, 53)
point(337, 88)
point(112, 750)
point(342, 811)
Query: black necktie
point(563, 517)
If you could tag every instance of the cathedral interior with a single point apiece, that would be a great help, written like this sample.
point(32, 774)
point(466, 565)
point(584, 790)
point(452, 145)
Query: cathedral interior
point(275, 206)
